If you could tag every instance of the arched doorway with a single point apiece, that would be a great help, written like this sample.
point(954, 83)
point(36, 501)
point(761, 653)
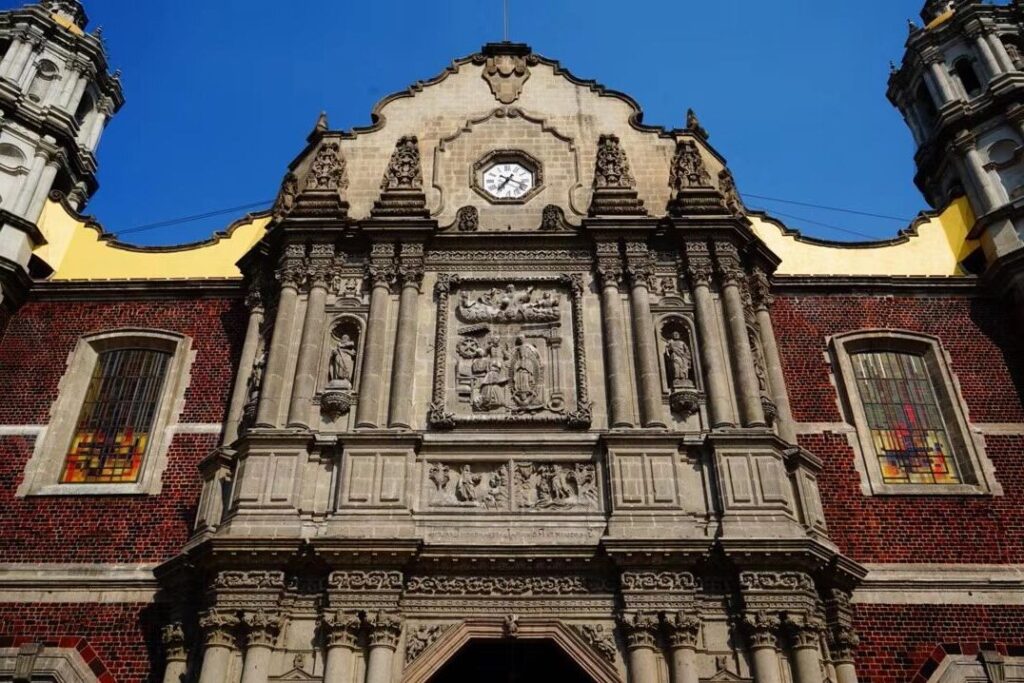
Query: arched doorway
point(511, 661)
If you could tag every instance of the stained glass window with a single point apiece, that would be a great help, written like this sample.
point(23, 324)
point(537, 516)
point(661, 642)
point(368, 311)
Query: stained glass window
point(113, 429)
point(904, 418)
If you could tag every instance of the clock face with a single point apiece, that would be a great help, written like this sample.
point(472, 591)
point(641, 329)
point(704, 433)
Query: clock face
point(508, 181)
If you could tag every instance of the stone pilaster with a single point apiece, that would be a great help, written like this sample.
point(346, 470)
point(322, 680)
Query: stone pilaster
point(747, 388)
point(638, 266)
point(609, 275)
point(381, 272)
point(291, 274)
point(218, 630)
point(760, 288)
point(700, 271)
point(318, 269)
point(403, 367)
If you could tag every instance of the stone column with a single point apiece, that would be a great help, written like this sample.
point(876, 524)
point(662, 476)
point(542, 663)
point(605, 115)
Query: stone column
point(342, 631)
point(381, 271)
point(74, 85)
point(42, 189)
point(843, 646)
point(104, 108)
point(173, 637)
point(806, 639)
point(966, 145)
point(403, 367)
point(747, 388)
point(219, 638)
point(940, 80)
point(9, 64)
point(609, 274)
point(385, 628)
point(698, 260)
point(649, 376)
point(27, 44)
point(290, 274)
point(247, 359)
point(999, 50)
point(308, 362)
point(261, 629)
point(28, 188)
point(683, 630)
point(762, 297)
point(761, 634)
point(641, 632)
point(992, 66)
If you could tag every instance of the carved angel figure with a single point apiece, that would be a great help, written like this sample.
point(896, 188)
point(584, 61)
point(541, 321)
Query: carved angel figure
point(678, 361)
point(343, 360)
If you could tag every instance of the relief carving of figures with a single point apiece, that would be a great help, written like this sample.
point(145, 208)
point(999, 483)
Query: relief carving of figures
point(286, 197)
point(497, 306)
point(555, 486)
point(727, 186)
point(421, 638)
point(256, 377)
point(527, 380)
point(466, 488)
point(600, 638)
point(755, 350)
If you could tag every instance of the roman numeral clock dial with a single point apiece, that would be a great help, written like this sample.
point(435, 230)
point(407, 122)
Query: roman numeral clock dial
point(508, 181)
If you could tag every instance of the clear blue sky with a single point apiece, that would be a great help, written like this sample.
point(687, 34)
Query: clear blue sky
point(221, 93)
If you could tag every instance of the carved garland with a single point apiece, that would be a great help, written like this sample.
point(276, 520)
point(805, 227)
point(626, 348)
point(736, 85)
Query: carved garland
point(442, 418)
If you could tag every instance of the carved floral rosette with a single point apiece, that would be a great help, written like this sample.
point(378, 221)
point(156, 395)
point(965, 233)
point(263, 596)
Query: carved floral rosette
point(501, 352)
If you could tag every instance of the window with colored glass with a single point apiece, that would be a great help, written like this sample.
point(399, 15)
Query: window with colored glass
point(114, 427)
point(903, 414)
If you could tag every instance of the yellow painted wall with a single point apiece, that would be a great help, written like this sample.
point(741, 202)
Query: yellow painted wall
point(77, 251)
point(937, 249)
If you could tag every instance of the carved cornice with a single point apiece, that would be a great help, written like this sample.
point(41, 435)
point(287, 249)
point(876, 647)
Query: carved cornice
point(640, 629)
point(218, 628)
point(173, 638)
point(261, 627)
point(342, 628)
point(385, 628)
point(358, 580)
point(507, 585)
point(682, 629)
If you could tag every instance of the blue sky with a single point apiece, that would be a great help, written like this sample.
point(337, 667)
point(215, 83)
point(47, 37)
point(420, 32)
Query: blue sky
point(221, 93)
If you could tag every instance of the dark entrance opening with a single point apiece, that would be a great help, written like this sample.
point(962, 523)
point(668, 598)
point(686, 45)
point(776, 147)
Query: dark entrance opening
point(511, 661)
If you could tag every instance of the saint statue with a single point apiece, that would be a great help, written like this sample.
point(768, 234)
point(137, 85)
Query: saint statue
point(343, 361)
point(465, 490)
point(526, 375)
point(492, 386)
point(256, 377)
point(678, 362)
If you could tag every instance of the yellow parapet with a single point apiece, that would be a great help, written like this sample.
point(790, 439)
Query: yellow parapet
point(78, 249)
point(932, 245)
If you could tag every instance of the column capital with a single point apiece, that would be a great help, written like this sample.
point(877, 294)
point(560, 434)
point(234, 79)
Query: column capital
point(291, 273)
point(964, 142)
point(343, 628)
point(261, 627)
point(638, 264)
point(218, 628)
point(608, 261)
point(640, 629)
point(804, 631)
point(173, 638)
point(843, 644)
point(762, 629)
point(761, 289)
point(385, 628)
point(682, 629)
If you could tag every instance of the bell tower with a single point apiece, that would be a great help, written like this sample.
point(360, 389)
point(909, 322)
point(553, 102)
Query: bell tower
point(56, 96)
point(960, 88)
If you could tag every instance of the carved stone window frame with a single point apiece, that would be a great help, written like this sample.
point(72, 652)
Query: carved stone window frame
point(62, 664)
point(42, 474)
point(440, 417)
point(508, 156)
point(968, 452)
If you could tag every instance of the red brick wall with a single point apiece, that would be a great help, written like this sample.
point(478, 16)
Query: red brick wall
point(118, 642)
point(987, 361)
point(897, 640)
point(33, 358)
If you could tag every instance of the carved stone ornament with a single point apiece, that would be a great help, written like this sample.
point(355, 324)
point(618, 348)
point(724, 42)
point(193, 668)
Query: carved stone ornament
point(771, 411)
point(359, 580)
point(261, 627)
point(761, 629)
point(218, 627)
point(342, 628)
point(506, 74)
point(253, 386)
point(804, 632)
point(614, 186)
point(327, 172)
point(684, 402)
point(600, 638)
point(250, 580)
point(552, 218)
point(776, 581)
point(658, 581)
point(843, 644)
point(334, 403)
point(507, 586)
point(384, 628)
point(511, 626)
point(727, 186)
point(640, 629)
point(467, 219)
point(508, 355)
point(337, 398)
point(693, 193)
point(402, 186)
point(422, 637)
point(693, 125)
point(682, 629)
point(286, 197)
point(173, 637)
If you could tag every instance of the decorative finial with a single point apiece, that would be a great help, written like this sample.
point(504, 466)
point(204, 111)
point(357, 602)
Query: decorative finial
point(912, 27)
point(892, 67)
point(320, 128)
point(693, 125)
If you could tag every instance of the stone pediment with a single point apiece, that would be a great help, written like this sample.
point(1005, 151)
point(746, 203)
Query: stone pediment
point(504, 102)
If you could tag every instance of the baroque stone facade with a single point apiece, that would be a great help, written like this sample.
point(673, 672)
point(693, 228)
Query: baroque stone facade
point(538, 384)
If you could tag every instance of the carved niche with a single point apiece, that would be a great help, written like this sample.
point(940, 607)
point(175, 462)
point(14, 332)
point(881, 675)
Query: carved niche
point(513, 486)
point(679, 367)
point(338, 396)
point(510, 352)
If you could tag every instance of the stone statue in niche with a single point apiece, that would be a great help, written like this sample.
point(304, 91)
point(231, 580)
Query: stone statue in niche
point(684, 399)
point(252, 389)
point(755, 350)
point(466, 488)
point(337, 397)
point(678, 362)
point(556, 486)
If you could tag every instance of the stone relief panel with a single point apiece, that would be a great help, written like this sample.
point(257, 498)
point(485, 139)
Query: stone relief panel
point(513, 486)
point(509, 352)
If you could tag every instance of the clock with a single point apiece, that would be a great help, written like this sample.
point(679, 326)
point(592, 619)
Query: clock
point(507, 176)
point(510, 180)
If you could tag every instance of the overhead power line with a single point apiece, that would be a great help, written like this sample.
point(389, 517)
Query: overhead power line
point(827, 208)
point(826, 225)
point(189, 219)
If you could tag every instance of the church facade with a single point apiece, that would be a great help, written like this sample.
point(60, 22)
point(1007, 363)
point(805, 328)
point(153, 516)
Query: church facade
point(511, 384)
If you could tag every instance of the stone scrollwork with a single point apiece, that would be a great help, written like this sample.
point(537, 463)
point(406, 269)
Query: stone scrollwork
point(762, 628)
point(467, 219)
point(688, 168)
point(261, 627)
point(403, 171)
point(776, 581)
point(327, 172)
point(600, 638)
point(509, 354)
point(658, 581)
point(552, 218)
point(360, 580)
point(506, 586)
point(506, 74)
point(804, 631)
point(250, 579)
point(422, 637)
